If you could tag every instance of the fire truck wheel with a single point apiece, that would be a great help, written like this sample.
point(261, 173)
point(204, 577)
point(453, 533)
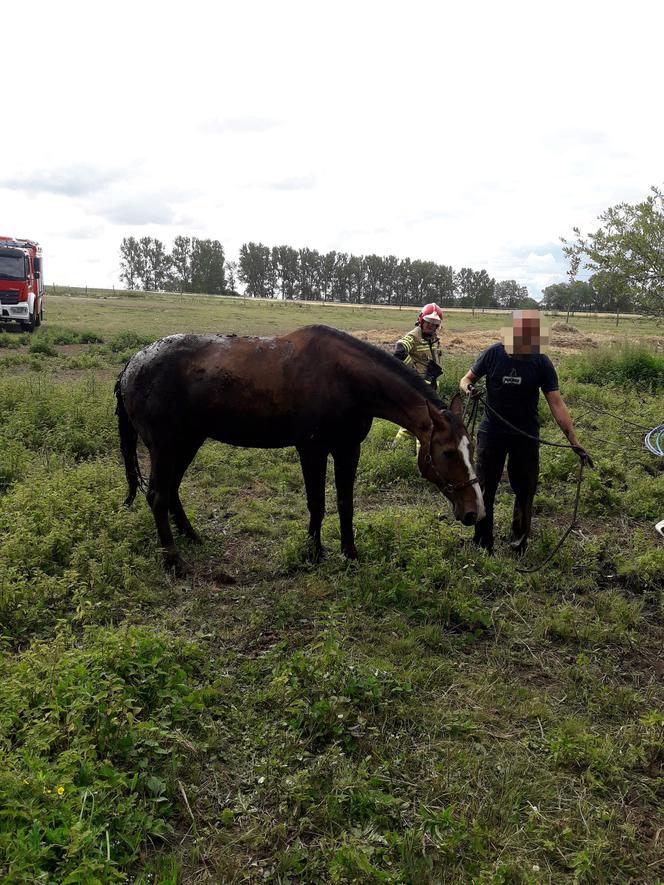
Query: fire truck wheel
point(30, 325)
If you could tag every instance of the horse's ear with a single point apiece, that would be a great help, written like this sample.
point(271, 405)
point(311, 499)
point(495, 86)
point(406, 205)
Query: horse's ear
point(456, 406)
point(435, 414)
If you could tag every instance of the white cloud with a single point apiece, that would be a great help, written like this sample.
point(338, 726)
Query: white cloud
point(222, 125)
point(470, 135)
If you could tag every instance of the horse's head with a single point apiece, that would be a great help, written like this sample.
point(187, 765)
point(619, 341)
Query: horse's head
point(446, 459)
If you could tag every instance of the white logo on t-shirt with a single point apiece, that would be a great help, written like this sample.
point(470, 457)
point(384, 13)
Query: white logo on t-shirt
point(512, 378)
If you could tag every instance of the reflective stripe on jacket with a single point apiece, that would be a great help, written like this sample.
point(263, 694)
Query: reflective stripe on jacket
point(419, 350)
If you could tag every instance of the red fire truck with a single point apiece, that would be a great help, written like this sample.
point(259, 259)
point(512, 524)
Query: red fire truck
point(21, 283)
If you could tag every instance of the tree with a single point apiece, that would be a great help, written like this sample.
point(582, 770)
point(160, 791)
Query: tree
point(285, 269)
point(374, 267)
point(475, 288)
point(130, 262)
point(484, 287)
point(627, 249)
point(181, 264)
point(390, 279)
point(444, 283)
point(570, 297)
point(231, 279)
point(256, 270)
point(159, 264)
point(328, 266)
point(423, 278)
point(611, 294)
point(356, 272)
point(309, 274)
point(341, 280)
point(207, 267)
point(152, 264)
point(510, 295)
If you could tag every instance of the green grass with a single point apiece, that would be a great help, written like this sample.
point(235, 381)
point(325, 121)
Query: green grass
point(425, 715)
point(156, 315)
point(631, 365)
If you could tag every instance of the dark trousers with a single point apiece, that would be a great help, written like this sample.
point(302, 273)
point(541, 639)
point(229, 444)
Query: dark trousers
point(522, 469)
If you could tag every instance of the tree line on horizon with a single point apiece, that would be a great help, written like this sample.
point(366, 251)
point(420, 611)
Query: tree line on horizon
point(282, 272)
point(625, 255)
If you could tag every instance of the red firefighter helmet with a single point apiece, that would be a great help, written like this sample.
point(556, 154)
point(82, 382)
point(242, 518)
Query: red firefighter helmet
point(431, 313)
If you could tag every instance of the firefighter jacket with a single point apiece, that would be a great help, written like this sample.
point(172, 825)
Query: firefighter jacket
point(415, 350)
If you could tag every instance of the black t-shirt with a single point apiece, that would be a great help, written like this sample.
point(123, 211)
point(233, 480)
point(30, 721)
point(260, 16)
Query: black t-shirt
point(513, 384)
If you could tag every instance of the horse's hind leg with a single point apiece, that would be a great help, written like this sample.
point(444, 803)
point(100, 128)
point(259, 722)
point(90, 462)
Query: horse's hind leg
point(158, 497)
point(345, 468)
point(184, 459)
point(314, 468)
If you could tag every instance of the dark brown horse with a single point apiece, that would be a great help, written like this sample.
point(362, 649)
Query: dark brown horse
point(317, 389)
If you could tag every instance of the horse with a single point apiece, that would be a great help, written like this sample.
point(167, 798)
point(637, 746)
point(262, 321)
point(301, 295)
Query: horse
point(316, 388)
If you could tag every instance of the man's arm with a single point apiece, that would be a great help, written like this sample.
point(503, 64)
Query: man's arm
point(468, 379)
point(403, 348)
point(563, 420)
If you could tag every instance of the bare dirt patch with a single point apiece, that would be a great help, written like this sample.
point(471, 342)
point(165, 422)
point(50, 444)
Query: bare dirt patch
point(564, 339)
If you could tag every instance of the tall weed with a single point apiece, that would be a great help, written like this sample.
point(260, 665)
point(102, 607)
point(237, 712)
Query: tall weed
point(630, 365)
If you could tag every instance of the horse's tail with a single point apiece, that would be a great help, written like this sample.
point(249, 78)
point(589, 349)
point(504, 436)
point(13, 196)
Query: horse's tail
point(128, 441)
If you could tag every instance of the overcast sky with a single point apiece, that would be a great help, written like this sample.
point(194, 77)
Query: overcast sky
point(469, 134)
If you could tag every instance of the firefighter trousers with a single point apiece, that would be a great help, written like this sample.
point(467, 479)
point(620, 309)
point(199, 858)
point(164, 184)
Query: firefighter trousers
point(522, 456)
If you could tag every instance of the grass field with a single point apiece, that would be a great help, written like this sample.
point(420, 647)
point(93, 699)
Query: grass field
point(156, 315)
point(425, 715)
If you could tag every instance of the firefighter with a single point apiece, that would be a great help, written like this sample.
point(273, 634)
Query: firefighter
point(421, 350)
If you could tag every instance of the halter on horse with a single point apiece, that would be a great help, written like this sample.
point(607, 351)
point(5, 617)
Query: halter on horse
point(317, 389)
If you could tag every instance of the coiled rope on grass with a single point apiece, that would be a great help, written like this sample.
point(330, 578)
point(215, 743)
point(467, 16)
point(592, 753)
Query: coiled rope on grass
point(654, 441)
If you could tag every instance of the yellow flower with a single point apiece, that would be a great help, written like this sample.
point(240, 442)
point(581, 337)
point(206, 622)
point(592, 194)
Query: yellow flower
point(60, 790)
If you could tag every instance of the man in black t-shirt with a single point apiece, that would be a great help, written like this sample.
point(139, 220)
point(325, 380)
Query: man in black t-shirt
point(515, 373)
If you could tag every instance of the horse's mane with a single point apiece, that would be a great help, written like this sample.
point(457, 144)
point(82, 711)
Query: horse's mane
point(376, 355)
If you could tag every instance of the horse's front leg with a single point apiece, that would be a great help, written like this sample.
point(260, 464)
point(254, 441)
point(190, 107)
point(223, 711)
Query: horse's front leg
point(313, 460)
point(345, 468)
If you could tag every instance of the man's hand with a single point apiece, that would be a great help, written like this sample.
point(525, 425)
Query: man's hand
point(585, 457)
point(473, 391)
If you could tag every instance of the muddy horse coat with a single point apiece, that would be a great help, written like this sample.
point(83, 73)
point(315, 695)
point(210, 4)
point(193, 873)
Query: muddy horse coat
point(317, 389)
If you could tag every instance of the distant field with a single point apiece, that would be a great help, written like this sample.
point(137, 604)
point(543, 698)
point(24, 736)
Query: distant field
point(427, 715)
point(164, 314)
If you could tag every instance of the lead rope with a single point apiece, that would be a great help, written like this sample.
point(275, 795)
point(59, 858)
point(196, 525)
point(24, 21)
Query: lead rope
point(545, 442)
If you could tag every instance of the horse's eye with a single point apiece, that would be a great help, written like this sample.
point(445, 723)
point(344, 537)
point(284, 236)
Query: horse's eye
point(449, 453)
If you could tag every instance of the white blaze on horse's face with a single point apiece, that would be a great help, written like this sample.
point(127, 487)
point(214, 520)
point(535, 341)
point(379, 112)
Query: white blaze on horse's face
point(464, 448)
point(446, 462)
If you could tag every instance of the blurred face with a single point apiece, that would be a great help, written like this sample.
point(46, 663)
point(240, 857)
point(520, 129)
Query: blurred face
point(525, 336)
point(428, 328)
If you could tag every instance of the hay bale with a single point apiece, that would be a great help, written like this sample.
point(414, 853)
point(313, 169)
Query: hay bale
point(564, 327)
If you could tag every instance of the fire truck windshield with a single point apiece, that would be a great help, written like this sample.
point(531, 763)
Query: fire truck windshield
point(12, 266)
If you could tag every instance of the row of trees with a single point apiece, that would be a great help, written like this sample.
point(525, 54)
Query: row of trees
point(192, 265)
point(195, 265)
point(595, 295)
point(287, 273)
point(625, 256)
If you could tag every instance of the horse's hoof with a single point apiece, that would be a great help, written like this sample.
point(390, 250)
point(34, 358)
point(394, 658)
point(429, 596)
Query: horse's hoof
point(314, 551)
point(221, 577)
point(350, 552)
point(180, 567)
